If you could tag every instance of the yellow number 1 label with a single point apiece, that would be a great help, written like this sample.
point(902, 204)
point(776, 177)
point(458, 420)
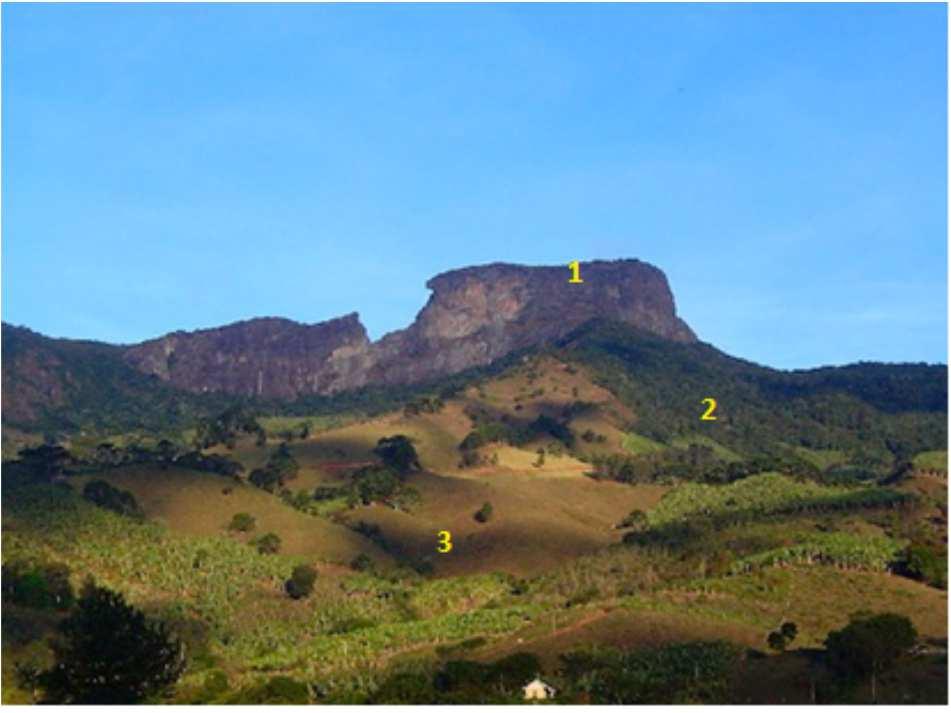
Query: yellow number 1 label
point(445, 541)
point(575, 268)
point(708, 414)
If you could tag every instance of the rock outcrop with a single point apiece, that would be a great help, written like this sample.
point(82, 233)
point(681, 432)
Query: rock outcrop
point(270, 357)
point(474, 316)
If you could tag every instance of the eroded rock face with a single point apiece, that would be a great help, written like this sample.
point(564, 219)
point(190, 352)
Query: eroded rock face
point(479, 314)
point(267, 357)
point(474, 316)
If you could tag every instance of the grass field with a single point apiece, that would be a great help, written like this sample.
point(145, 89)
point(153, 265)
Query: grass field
point(641, 445)
point(721, 451)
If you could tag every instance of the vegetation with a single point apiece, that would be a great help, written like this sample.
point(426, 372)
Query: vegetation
point(242, 522)
point(280, 468)
point(484, 514)
point(100, 493)
point(267, 544)
point(39, 585)
point(110, 653)
point(397, 452)
point(783, 636)
point(870, 644)
point(694, 672)
point(301, 583)
point(764, 495)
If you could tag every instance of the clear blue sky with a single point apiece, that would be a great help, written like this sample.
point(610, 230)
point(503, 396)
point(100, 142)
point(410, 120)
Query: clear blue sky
point(175, 167)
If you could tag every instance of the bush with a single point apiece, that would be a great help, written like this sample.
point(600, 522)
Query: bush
point(280, 689)
point(242, 522)
point(405, 689)
point(268, 544)
point(100, 493)
point(361, 563)
point(927, 563)
point(301, 583)
point(37, 585)
point(484, 514)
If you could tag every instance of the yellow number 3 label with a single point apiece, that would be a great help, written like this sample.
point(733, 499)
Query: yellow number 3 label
point(445, 541)
point(575, 268)
point(712, 406)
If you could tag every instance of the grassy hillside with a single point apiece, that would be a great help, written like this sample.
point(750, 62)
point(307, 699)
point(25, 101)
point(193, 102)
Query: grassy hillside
point(617, 518)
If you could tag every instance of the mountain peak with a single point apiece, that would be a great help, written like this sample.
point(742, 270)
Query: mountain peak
point(474, 316)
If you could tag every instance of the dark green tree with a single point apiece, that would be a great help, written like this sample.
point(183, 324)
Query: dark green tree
point(101, 493)
point(110, 653)
point(45, 462)
point(484, 514)
point(268, 543)
point(242, 522)
point(870, 644)
point(398, 453)
point(301, 583)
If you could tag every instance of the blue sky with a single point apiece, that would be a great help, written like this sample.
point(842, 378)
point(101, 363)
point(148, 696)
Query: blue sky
point(184, 166)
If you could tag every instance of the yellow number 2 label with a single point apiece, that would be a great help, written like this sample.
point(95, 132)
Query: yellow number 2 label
point(708, 414)
point(445, 541)
point(575, 268)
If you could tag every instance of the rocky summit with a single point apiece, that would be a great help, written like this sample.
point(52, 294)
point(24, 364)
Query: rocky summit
point(474, 316)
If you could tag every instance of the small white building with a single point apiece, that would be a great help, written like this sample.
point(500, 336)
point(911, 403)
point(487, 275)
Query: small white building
point(538, 690)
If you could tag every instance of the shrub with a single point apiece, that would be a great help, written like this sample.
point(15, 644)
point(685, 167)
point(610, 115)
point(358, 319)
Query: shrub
point(280, 689)
point(927, 563)
point(361, 563)
point(38, 585)
point(106, 496)
point(301, 583)
point(242, 522)
point(406, 688)
point(484, 514)
point(268, 544)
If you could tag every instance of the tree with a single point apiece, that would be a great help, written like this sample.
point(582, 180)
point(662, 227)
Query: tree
point(636, 520)
point(927, 563)
point(110, 653)
point(361, 563)
point(781, 638)
point(166, 452)
point(540, 461)
point(374, 483)
point(301, 583)
point(242, 522)
point(870, 644)
point(41, 585)
point(268, 544)
point(45, 462)
point(398, 453)
point(100, 493)
point(776, 641)
point(484, 514)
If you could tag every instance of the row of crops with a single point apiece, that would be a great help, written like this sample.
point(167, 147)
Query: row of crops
point(763, 495)
point(838, 549)
point(238, 595)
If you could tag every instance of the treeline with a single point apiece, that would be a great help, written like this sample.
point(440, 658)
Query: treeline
point(885, 412)
point(696, 463)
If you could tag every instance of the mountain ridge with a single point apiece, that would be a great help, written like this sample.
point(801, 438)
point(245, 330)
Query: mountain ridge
point(474, 315)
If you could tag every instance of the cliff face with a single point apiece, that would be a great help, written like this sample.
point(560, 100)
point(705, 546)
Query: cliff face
point(479, 314)
point(267, 357)
point(474, 316)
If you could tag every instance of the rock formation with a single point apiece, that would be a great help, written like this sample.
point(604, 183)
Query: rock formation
point(474, 316)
